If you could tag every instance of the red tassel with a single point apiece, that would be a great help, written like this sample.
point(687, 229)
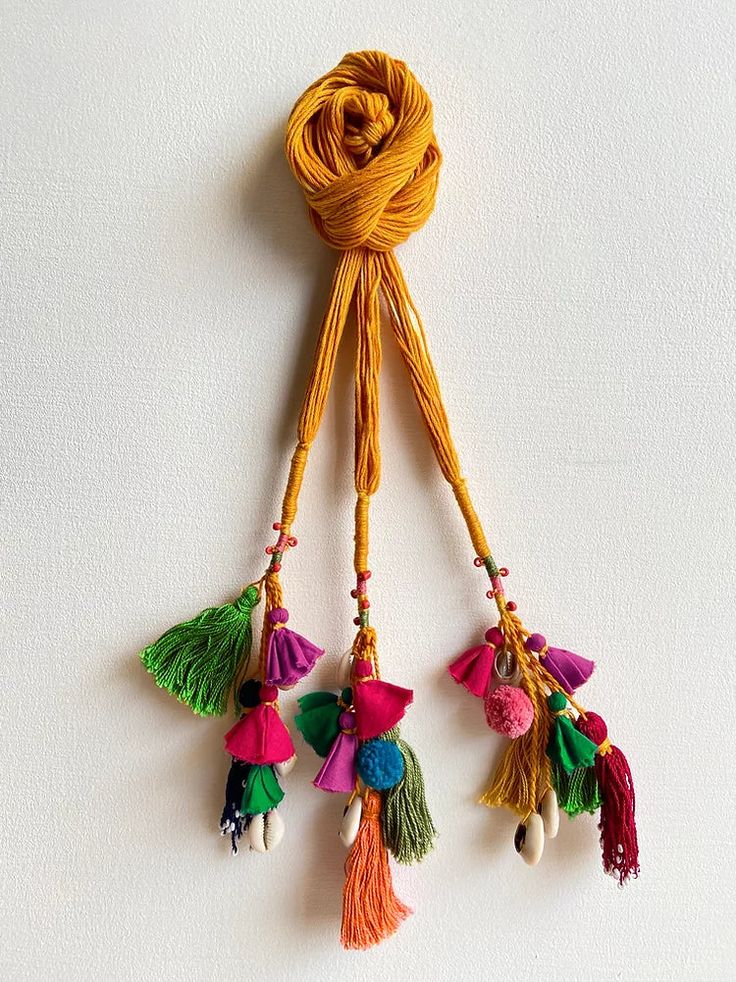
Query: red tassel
point(371, 911)
point(617, 823)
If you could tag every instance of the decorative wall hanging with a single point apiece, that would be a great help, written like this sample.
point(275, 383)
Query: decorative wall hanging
point(360, 142)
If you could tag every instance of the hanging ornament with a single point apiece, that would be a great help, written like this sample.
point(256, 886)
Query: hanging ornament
point(360, 142)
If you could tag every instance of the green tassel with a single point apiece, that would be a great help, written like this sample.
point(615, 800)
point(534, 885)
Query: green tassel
point(262, 791)
point(199, 660)
point(407, 826)
point(577, 792)
point(565, 747)
point(318, 720)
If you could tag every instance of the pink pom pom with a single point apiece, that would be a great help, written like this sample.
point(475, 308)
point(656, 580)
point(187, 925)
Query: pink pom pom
point(509, 711)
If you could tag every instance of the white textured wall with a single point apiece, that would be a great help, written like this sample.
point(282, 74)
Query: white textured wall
point(161, 292)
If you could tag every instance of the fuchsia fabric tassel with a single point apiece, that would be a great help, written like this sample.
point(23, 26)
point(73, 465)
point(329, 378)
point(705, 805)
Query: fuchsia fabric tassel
point(289, 656)
point(338, 772)
point(474, 668)
point(379, 706)
point(261, 737)
point(617, 822)
point(569, 669)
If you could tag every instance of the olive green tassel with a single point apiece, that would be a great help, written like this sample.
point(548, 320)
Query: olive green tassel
point(577, 792)
point(199, 661)
point(407, 826)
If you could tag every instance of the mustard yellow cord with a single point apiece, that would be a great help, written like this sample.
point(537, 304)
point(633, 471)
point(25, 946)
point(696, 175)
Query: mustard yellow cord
point(360, 142)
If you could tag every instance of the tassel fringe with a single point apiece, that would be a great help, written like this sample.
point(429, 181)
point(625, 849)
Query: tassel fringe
point(407, 826)
point(578, 792)
point(371, 911)
point(199, 661)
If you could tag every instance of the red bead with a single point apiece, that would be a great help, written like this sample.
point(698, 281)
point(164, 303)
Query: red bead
point(365, 604)
point(490, 594)
point(277, 526)
point(366, 574)
point(356, 621)
point(293, 541)
point(478, 562)
point(276, 567)
point(504, 571)
point(511, 605)
point(268, 550)
point(269, 693)
point(354, 594)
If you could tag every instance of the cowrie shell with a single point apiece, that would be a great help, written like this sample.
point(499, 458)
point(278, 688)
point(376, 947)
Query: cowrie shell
point(285, 767)
point(550, 814)
point(529, 839)
point(265, 832)
point(351, 822)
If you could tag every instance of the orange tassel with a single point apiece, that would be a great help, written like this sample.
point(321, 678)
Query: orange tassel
point(371, 911)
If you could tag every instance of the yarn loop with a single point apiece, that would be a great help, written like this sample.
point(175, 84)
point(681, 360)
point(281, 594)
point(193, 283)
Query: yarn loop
point(360, 142)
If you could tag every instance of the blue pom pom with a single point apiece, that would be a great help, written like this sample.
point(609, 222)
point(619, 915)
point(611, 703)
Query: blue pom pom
point(380, 764)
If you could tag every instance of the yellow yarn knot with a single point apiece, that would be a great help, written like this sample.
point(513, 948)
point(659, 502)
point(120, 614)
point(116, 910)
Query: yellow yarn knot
point(360, 142)
point(605, 747)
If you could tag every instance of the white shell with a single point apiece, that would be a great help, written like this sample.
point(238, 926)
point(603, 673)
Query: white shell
point(550, 814)
point(533, 845)
point(265, 832)
point(285, 767)
point(351, 822)
point(344, 669)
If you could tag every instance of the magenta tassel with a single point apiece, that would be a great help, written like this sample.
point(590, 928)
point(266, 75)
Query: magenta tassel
point(338, 771)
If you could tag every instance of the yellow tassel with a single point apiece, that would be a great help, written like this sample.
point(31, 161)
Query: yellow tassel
point(371, 911)
point(523, 776)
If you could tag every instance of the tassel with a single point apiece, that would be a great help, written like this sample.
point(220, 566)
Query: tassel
point(262, 791)
point(474, 668)
point(318, 721)
point(407, 826)
point(289, 656)
point(567, 668)
point(618, 809)
point(261, 737)
point(338, 773)
point(371, 911)
point(577, 792)
point(199, 660)
point(379, 706)
point(567, 747)
point(522, 777)
point(233, 822)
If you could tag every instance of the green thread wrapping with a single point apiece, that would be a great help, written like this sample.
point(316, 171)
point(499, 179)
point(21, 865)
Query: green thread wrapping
point(199, 660)
point(262, 791)
point(490, 564)
point(407, 826)
point(577, 792)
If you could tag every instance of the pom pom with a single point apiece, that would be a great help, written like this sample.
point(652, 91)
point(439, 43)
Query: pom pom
point(249, 694)
point(509, 711)
point(380, 764)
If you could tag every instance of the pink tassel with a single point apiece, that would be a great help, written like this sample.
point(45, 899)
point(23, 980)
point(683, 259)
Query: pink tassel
point(474, 667)
point(338, 771)
point(378, 706)
point(260, 737)
point(618, 809)
point(569, 669)
point(289, 656)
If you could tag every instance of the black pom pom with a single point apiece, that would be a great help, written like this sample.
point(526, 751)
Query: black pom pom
point(249, 694)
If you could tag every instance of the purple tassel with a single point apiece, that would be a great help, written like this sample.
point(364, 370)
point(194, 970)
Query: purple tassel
point(569, 669)
point(289, 656)
point(338, 771)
